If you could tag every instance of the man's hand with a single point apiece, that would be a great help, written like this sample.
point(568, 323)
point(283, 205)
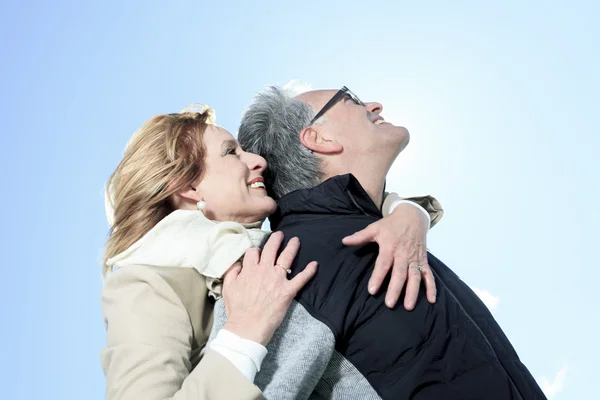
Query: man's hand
point(402, 240)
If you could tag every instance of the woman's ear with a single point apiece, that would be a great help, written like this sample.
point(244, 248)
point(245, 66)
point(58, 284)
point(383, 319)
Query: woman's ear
point(190, 194)
point(188, 199)
point(312, 139)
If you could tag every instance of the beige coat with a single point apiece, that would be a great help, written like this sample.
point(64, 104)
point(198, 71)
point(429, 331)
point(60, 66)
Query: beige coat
point(158, 320)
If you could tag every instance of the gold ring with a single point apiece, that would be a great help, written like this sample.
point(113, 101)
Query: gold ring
point(289, 271)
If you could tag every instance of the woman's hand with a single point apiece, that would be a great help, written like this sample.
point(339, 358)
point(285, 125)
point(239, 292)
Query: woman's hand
point(402, 240)
point(258, 295)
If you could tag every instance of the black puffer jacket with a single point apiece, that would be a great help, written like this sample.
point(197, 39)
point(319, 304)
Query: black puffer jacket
point(453, 349)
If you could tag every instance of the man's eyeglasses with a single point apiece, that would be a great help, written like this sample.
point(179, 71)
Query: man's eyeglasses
point(343, 93)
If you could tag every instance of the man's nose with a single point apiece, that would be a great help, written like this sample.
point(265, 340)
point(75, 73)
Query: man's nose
point(374, 107)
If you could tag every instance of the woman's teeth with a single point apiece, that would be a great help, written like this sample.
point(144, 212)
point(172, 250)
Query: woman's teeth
point(379, 121)
point(257, 185)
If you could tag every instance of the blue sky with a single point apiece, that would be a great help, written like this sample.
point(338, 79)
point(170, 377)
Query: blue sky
point(501, 101)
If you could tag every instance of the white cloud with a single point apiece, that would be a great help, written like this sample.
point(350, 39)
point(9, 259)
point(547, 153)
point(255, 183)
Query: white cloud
point(296, 87)
point(488, 299)
point(551, 388)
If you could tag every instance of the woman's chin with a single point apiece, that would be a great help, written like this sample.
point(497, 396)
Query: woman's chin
point(269, 208)
point(260, 212)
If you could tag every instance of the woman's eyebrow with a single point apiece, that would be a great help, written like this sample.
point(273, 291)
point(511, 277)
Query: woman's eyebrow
point(229, 143)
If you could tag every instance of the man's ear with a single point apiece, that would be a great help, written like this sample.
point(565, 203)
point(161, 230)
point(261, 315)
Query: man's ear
point(312, 139)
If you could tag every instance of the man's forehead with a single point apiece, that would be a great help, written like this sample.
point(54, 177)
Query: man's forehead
point(317, 97)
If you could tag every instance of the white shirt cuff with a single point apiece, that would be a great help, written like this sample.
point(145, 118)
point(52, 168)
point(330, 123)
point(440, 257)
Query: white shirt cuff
point(244, 354)
point(396, 203)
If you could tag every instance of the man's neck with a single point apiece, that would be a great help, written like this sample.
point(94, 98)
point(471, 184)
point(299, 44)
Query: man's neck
point(371, 183)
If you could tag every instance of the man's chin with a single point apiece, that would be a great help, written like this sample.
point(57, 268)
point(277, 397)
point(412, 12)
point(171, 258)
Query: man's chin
point(394, 130)
point(406, 140)
point(401, 130)
point(399, 138)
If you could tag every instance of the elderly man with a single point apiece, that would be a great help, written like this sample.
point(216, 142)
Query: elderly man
point(328, 155)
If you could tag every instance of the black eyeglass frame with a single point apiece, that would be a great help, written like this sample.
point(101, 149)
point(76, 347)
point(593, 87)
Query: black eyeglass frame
point(336, 98)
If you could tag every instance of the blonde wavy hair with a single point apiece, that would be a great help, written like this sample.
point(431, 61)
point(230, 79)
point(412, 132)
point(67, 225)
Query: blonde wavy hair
point(163, 157)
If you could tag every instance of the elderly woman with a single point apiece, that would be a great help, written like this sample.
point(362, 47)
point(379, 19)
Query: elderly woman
point(186, 203)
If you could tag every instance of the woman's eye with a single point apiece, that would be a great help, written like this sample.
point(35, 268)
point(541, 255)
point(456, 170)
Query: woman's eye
point(229, 151)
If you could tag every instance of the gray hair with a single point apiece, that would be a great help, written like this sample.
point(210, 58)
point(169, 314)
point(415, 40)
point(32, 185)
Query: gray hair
point(270, 127)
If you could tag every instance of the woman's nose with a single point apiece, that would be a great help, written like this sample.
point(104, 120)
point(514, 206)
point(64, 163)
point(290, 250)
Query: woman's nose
point(255, 162)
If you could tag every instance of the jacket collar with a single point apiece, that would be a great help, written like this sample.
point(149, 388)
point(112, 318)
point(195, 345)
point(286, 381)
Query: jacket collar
point(342, 194)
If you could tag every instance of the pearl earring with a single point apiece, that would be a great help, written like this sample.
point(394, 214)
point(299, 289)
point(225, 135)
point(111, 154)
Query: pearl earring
point(201, 205)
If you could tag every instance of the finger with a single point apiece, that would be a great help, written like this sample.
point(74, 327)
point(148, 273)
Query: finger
point(382, 266)
point(231, 275)
point(271, 248)
point(430, 285)
point(397, 281)
point(300, 280)
point(288, 254)
point(361, 237)
point(412, 286)
point(252, 257)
